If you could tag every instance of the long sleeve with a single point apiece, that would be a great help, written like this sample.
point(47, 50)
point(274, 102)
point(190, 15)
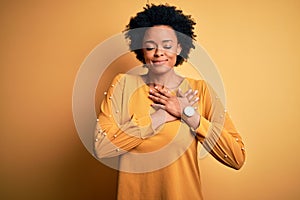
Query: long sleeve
point(117, 131)
point(216, 131)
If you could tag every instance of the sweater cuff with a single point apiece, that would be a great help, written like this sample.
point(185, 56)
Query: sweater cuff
point(203, 128)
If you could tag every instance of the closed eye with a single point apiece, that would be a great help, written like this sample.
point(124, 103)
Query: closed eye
point(149, 48)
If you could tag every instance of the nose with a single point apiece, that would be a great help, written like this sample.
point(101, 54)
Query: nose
point(159, 52)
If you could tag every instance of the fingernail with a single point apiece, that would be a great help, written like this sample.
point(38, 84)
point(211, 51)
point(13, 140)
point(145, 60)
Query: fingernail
point(196, 92)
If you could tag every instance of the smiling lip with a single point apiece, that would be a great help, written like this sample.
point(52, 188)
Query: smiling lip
point(159, 62)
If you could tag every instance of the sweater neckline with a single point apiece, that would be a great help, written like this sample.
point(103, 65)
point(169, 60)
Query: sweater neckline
point(183, 81)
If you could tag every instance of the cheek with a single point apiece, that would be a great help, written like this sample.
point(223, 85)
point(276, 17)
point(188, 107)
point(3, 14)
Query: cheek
point(147, 55)
point(172, 56)
point(171, 52)
point(173, 59)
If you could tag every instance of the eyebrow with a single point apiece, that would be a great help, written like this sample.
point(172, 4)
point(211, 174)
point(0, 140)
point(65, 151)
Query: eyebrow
point(151, 41)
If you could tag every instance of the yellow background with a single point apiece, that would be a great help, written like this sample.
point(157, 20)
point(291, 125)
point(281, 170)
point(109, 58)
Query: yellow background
point(255, 45)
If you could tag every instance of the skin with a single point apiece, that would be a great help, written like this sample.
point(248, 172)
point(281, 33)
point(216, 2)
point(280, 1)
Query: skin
point(160, 49)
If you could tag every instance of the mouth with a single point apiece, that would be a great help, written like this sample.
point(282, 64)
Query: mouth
point(159, 62)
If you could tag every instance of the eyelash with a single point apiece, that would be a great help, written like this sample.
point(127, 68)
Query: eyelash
point(151, 48)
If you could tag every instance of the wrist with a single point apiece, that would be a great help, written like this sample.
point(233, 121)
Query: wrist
point(158, 118)
point(191, 117)
point(188, 111)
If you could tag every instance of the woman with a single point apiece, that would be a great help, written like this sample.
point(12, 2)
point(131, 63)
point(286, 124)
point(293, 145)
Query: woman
point(153, 123)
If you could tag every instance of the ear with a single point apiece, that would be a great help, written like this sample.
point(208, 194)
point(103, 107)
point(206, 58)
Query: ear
point(178, 51)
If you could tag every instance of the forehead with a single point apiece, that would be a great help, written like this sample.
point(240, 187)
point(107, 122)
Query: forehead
point(160, 33)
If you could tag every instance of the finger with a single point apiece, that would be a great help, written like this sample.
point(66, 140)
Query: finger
point(191, 95)
point(165, 92)
point(194, 101)
point(158, 106)
point(157, 99)
point(158, 94)
point(194, 93)
point(154, 89)
point(189, 92)
point(180, 93)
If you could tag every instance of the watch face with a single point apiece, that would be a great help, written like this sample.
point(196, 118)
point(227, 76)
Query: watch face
point(189, 111)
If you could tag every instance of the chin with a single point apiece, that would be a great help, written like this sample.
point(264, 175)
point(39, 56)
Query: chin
point(159, 69)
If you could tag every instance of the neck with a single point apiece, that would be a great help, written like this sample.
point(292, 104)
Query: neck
point(169, 79)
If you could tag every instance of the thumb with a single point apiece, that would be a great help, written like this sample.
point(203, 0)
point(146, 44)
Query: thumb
point(180, 93)
point(157, 106)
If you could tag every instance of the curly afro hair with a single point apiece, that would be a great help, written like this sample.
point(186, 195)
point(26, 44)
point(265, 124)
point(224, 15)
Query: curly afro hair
point(153, 15)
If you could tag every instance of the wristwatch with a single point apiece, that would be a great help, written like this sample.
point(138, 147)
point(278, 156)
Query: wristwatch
point(189, 111)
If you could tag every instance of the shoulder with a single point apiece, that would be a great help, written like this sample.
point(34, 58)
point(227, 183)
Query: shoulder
point(196, 83)
point(123, 80)
point(199, 84)
point(127, 76)
point(121, 77)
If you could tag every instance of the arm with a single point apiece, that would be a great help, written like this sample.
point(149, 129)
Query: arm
point(211, 124)
point(116, 131)
point(216, 130)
